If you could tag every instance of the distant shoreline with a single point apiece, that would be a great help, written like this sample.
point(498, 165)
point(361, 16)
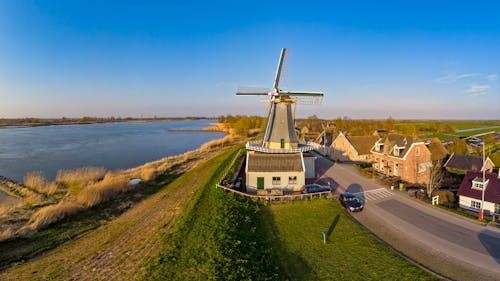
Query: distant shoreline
point(37, 122)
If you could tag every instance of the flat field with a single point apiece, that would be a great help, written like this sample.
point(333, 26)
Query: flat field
point(350, 252)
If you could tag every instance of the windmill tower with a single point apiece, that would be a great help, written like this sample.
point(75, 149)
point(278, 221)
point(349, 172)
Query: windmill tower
point(277, 162)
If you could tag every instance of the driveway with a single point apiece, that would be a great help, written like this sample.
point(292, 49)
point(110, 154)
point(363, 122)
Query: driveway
point(446, 243)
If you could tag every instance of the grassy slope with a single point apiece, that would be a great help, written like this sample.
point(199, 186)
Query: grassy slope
point(117, 250)
point(218, 239)
point(74, 226)
point(227, 237)
point(351, 253)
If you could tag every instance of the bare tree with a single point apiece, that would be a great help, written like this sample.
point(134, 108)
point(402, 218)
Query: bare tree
point(436, 176)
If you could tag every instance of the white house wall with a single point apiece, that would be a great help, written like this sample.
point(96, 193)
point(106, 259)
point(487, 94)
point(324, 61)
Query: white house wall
point(251, 180)
point(465, 202)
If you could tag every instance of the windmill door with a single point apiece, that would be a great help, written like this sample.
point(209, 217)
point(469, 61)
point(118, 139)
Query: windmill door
point(260, 183)
point(282, 143)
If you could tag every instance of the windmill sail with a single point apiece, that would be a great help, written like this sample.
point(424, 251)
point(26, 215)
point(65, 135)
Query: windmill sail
point(279, 134)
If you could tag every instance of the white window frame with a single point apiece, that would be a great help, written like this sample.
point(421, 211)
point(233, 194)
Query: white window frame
point(396, 171)
point(382, 165)
point(478, 184)
point(475, 204)
point(292, 180)
point(276, 180)
point(497, 208)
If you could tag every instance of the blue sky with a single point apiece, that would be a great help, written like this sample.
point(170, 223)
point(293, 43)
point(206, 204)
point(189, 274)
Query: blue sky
point(422, 60)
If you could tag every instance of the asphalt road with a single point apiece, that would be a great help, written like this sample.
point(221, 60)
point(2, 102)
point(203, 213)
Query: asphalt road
point(449, 244)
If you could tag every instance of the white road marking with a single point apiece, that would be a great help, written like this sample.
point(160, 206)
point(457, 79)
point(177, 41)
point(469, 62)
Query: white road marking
point(374, 194)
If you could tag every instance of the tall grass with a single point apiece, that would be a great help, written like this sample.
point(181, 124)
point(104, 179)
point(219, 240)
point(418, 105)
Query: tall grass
point(50, 214)
point(219, 142)
point(36, 181)
point(104, 190)
point(80, 175)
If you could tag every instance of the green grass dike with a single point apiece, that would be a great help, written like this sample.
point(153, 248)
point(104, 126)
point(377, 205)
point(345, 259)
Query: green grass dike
point(226, 237)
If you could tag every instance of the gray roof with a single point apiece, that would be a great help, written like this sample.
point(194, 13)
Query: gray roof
point(437, 149)
point(362, 144)
point(401, 141)
point(464, 162)
point(264, 162)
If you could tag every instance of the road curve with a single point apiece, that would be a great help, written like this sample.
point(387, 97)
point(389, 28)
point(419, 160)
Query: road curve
point(451, 245)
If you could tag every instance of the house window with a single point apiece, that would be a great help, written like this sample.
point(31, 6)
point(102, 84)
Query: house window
point(292, 180)
point(276, 180)
point(381, 165)
point(417, 151)
point(497, 208)
point(477, 183)
point(396, 151)
point(396, 172)
point(475, 204)
point(421, 167)
point(378, 146)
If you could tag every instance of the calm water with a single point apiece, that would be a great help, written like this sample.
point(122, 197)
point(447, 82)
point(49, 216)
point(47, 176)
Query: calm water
point(113, 145)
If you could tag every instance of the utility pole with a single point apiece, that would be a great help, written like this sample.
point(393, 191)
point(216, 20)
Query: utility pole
point(481, 213)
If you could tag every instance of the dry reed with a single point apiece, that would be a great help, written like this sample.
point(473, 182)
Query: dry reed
point(7, 234)
point(36, 181)
point(80, 175)
point(109, 187)
point(52, 213)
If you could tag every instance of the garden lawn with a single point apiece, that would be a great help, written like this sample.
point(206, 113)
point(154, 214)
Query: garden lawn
point(350, 253)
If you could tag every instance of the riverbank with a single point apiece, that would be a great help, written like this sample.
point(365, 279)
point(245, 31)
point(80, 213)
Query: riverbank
point(37, 122)
point(78, 190)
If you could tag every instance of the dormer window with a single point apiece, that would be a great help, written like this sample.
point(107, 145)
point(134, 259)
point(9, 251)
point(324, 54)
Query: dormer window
point(478, 184)
point(378, 146)
point(397, 150)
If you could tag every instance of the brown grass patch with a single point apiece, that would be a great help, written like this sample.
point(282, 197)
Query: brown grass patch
point(36, 181)
point(80, 175)
point(52, 213)
point(214, 143)
point(109, 187)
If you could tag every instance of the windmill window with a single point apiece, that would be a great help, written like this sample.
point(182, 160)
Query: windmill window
point(276, 180)
point(417, 151)
point(292, 180)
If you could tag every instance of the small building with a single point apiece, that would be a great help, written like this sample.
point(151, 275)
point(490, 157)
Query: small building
point(285, 172)
point(352, 148)
point(460, 164)
point(404, 157)
point(471, 189)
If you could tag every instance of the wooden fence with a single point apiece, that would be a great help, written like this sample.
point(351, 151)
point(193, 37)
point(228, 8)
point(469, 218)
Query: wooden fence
point(280, 198)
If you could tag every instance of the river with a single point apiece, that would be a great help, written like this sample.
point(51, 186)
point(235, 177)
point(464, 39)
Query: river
point(110, 145)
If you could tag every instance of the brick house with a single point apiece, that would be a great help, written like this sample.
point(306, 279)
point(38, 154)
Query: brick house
point(404, 157)
point(352, 148)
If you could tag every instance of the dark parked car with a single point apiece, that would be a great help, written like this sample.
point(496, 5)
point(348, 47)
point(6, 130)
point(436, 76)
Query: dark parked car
point(351, 202)
point(312, 188)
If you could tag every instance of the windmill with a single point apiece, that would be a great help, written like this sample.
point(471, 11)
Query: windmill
point(279, 135)
point(277, 163)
